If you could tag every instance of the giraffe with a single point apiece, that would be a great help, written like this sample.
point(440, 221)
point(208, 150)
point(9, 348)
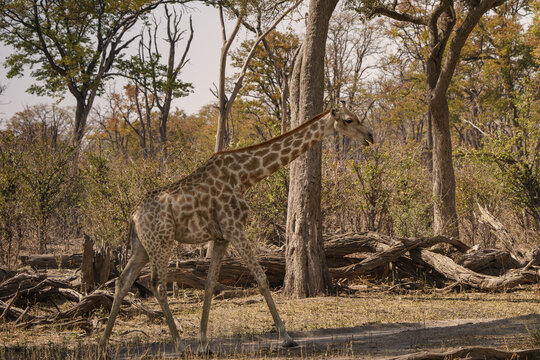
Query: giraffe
point(208, 205)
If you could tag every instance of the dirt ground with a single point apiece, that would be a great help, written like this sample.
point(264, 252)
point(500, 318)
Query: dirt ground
point(374, 341)
point(369, 324)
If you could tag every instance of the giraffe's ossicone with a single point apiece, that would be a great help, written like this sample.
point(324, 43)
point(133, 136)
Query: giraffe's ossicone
point(208, 205)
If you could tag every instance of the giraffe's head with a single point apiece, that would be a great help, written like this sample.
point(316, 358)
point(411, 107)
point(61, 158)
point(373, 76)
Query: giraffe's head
point(348, 124)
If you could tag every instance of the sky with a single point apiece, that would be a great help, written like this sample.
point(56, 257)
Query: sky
point(202, 70)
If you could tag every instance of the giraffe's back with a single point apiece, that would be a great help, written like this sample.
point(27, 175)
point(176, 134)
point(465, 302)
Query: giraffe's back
point(186, 211)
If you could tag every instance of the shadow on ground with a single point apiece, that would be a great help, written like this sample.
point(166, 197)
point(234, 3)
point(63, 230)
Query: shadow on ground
point(371, 341)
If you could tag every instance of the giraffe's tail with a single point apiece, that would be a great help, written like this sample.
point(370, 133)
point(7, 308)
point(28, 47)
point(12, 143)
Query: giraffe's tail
point(131, 235)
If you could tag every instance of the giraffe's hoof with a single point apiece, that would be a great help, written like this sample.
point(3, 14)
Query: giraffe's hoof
point(102, 344)
point(179, 347)
point(102, 352)
point(204, 350)
point(289, 343)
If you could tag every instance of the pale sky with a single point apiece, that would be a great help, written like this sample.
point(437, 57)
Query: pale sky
point(202, 71)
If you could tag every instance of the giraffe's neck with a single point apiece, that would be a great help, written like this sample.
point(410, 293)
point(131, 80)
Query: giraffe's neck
point(249, 165)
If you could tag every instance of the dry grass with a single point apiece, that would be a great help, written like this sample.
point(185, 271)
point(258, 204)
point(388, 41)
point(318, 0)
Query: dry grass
point(249, 316)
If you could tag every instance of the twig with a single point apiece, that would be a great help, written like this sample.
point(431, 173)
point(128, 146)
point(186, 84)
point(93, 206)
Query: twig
point(11, 301)
point(21, 317)
point(399, 285)
point(447, 289)
point(134, 330)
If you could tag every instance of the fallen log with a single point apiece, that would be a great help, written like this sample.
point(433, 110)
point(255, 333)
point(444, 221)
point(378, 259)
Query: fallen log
point(6, 274)
point(34, 288)
point(493, 261)
point(384, 250)
point(97, 299)
point(393, 252)
point(13, 313)
point(21, 281)
point(447, 267)
point(233, 274)
point(72, 261)
point(338, 246)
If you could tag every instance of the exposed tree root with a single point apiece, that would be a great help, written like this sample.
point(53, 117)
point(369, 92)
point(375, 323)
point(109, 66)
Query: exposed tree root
point(474, 353)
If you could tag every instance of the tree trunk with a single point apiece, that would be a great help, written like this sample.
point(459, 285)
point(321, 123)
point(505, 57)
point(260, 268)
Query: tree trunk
point(163, 126)
point(41, 238)
point(445, 221)
point(82, 110)
point(306, 270)
point(284, 99)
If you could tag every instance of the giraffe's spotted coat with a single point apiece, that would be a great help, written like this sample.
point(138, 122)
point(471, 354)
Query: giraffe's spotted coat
point(209, 205)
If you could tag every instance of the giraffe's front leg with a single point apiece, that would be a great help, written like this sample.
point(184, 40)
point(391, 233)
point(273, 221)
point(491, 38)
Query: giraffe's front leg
point(243, 247)
point(158, 284)
point(220, 247)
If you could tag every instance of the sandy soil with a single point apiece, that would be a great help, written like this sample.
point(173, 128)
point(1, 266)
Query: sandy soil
point(373, 341)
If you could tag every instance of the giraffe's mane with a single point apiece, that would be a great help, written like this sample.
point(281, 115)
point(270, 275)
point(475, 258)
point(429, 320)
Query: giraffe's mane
point(277, 138)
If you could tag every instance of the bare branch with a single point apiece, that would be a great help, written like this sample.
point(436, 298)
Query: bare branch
point(222, 22)
point(458, 41)
point(398, 16)
point(183, 60)
point(238, 84)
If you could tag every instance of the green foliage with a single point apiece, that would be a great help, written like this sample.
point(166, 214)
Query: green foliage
point(109, 197)
point(49, 185)
point(371, 184)
point(385, 189)
point(63, 41)
point(268, 203)
point(411, 205)
point(267, 75)
point(38, 187)
point(11, 210)
point(518, 163)
point(493, 100)
point(154, 75)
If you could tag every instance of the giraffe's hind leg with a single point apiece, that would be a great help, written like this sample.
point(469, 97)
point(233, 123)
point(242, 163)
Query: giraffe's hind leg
point(138, 259)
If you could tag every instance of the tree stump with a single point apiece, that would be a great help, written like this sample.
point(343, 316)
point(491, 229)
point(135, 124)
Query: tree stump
point(96, 265)
point(87, 267)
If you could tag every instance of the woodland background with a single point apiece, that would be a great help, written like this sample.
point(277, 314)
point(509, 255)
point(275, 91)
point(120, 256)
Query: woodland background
point(61, 178)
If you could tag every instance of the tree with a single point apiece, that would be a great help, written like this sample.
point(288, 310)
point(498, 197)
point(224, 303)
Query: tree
point(306, 270)
point(69, 45)
point(448, 28)
point(267, 79)
point(11, 210)
point(122, 114)
point(157, 84)
point(349, 46)
point(225, 102)
point(48, 185)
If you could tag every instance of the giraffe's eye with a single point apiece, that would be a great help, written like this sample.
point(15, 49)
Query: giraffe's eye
point(347, 121)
